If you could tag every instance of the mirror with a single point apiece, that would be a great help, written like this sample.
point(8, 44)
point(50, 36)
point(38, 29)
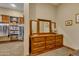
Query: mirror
point(33, 27)
point(44, 26)
point(53, 25)
point(40, 26)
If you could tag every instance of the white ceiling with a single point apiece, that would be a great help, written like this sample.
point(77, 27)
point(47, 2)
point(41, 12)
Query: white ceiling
point(19, 6)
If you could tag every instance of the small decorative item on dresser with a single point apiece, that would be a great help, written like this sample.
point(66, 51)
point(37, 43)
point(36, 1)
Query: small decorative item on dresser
point(77, 18)
point(68, 23)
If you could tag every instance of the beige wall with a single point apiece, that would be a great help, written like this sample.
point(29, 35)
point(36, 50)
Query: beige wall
point(10, 12)
point(26, 29)
point(32, 11)
point(71, 33)
point(43, 11)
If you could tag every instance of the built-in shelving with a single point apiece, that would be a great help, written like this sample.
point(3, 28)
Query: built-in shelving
point(12, 27)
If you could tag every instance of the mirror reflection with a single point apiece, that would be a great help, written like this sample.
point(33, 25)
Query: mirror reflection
point(34, 27)
point(44, 27)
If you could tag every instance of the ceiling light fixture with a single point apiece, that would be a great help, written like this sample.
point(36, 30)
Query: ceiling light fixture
point(13, 5)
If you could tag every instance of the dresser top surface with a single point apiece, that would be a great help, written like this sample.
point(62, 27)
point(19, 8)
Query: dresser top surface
point(37, 35)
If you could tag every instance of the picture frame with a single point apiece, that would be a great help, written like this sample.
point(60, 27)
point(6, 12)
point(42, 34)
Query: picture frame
point(77, 18)
point(13, 19)
point(68, 23)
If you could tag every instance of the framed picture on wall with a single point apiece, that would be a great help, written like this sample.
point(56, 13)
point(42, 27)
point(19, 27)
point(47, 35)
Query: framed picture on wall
point(77, 18)
point(68, 23)
point(13, 19)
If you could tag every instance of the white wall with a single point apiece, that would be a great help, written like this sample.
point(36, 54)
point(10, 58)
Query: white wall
point(42, 11)
point(45, 11)
point(10, 12)
point(26, 29)
point(71, 33)
point(32, 11)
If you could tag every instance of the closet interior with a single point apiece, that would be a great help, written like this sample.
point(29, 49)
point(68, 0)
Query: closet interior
point(11, 28)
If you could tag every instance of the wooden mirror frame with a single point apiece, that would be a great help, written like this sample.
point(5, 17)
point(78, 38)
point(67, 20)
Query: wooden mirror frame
point(38, 26)
point(54, 25)
point(43, 20)
point(31, 26)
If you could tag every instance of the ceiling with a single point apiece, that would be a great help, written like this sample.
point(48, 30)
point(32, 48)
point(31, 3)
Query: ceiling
point(19, 6)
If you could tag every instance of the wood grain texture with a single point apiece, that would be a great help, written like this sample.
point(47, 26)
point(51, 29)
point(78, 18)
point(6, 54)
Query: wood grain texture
point(5, 19)
point(40, 44)
point(21, 20)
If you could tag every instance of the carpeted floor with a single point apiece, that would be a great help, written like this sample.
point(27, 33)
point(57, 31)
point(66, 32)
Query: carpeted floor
point(17, 49)
point(58, 52)
point(12, 49)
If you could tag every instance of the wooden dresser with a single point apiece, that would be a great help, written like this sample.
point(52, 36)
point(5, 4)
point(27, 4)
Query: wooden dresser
point(43, 43)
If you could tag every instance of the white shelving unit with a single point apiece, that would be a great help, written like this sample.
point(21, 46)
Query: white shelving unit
point(14, 28)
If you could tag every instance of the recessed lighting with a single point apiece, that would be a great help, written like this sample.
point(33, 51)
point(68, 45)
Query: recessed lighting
point(13, 5)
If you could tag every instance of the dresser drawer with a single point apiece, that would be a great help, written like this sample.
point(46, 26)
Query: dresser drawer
point(39, 44)
point(59, 40)
point(50, 42)
point(50, 38)
point(50, 46)
point(59, 37)
point(38, 39)
point(58, 43)
point(37, 50)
